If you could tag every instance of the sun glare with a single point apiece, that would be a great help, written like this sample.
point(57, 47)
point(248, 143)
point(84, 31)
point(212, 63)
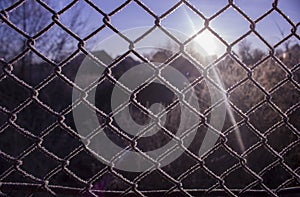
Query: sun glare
point(205, 39)
point(207, 42)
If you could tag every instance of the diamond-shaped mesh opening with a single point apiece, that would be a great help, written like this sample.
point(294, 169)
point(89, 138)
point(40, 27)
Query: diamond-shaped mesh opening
point(72, 17)
point(92, 68)
point(251, 50)
point(72, 67)
point(113, 135)
point(288, 9)
point(12, 93)
point(103, 90)
point(227, 28)
point(130, 11)
point(35, 71)
point(160, 39)
point(51, 40)
point(63, 178)
point(239, 178)
point(231, 119)
point(83, 160)
point(184, 19)
point(57, 94)
point(286, 96)
point(185, 67)
point(220, 160)
point(89, 123)
point(205, 48)
point(201, 92)
point(60, 142)
point(38, 164)
point(10, 137)
point(260, 118)
point(180, 166)
point(290, 157)
point(242, 96)
point(242, 138)
point(148, 139)
point(275, 23)
point(23, 19)
point(259, 159)
point(273, 73)
point(14, 46)
point(288, 52)
point(228, 67)
point(35, 124)
point(281, 137)
point(278, 174)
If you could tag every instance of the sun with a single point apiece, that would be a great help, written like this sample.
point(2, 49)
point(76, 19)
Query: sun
point(207, 41)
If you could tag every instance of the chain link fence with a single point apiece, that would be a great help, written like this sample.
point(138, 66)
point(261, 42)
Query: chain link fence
point(257, 151)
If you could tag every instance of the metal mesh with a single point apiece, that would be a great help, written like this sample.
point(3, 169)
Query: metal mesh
point(34, 161)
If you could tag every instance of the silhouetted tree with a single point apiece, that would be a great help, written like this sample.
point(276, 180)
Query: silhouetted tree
point(249, 56)
point(31, 17)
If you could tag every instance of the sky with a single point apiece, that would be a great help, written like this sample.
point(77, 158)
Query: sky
point(229, 25)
